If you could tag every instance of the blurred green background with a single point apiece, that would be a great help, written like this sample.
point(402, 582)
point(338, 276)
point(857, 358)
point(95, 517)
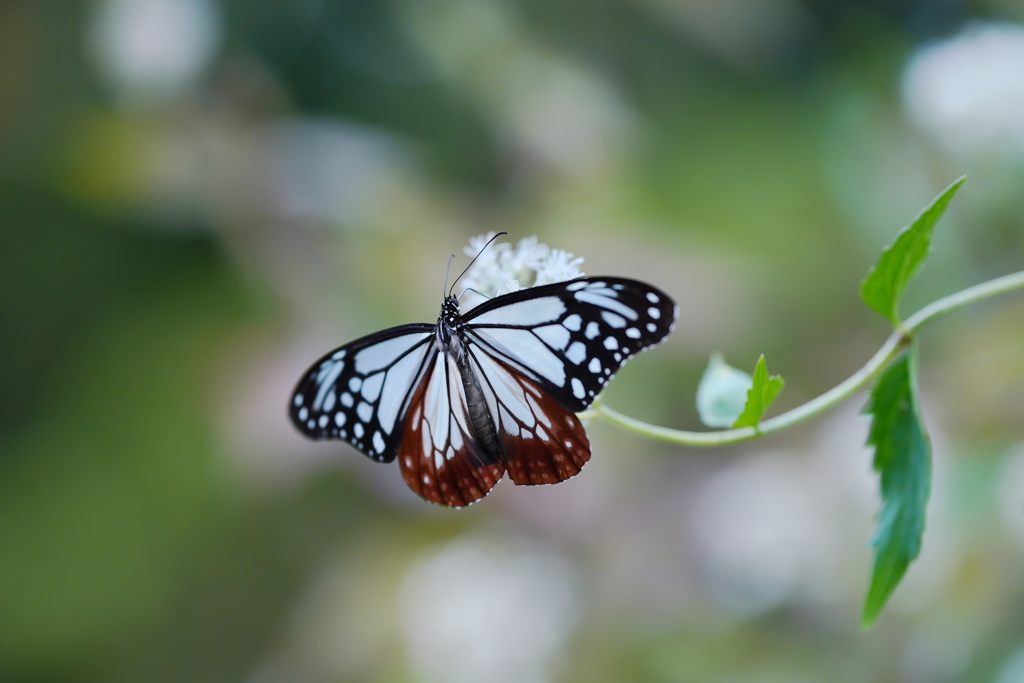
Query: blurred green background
point(200, 197)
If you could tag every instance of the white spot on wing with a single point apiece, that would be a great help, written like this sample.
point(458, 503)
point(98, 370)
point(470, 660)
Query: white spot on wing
point(435, 403)
point(577, 352)
point(396, 385)
point(593, 329)
point(542, 417)
point(654, 312)
point(595, 365)
point(329, 401)
point(652, 297)
point(378, 442)
point(573, 322)
point(384, 353)
point(633, 333)
point(456, 438)
point(607, 303)
point(364, 411)
point(328, 374)
point(577, 388)
point(507, 391)
point(526, 313)
point(372, 386)
point(303, 414)
point(525, 348)
point(611, 343)
point(614, 320)
point(426, 438)
point(555, 336)
point(339, 418)
point(508, 424)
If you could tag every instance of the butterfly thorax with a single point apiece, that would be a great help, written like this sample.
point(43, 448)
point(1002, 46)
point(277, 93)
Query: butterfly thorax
point(448, 325)
point(449, 339)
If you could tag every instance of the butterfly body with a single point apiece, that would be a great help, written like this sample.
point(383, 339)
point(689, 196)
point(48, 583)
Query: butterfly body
point(495, 390)
point(449, 340)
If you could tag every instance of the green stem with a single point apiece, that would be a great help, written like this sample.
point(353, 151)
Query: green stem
point(890, 349)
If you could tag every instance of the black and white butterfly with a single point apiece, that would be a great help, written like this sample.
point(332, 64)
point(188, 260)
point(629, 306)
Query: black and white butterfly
point(462, 401)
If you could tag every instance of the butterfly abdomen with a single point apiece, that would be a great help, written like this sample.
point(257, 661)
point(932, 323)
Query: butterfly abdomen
point(479, 414)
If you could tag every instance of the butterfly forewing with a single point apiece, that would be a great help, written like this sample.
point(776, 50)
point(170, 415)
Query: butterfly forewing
point(572, 337)
point(440, 457)
point(542, 442)
point(359, 391)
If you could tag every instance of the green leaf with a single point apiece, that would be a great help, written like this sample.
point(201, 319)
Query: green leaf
point(760, 396)
point(885, 282)
point(903, 459)
point(721, 393)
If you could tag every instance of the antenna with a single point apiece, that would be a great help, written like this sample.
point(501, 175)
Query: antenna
point(447, 271)
point(473, 261)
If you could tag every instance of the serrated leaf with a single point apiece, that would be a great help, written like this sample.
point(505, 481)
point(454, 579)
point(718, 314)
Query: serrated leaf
point(721, 392)
point(764, 390)
point(903, 459)
point(885, 282)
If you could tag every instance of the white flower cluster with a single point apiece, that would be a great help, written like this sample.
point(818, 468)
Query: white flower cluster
point(514, 636)
point(502, 268)
point(968, 91)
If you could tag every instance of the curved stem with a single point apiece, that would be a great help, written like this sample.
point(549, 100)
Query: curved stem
point(890, 349)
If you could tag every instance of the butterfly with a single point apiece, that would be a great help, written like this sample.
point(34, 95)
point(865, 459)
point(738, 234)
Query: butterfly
point(463, 401)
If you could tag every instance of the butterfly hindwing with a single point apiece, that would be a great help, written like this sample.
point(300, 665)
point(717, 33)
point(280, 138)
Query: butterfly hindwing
point(359, 391)
point(542, 442)
point(572, 337)
point(440, 456)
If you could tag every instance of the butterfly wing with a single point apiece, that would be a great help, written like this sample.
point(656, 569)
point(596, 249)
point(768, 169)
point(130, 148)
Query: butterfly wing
point(570, 338)
point(360, 392)
point(542, 442)
point(440, 456)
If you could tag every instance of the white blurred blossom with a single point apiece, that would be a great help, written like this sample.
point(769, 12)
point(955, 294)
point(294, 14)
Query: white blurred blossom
point(501, 268)
point(150, 50)
point(329, 170)
point(481, 610)
point(761, 527)
point(968, 91)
